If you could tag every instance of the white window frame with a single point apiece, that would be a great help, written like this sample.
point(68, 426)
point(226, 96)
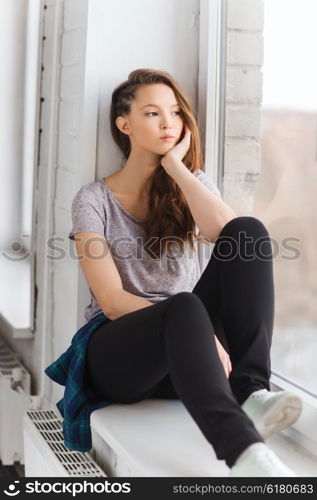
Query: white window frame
point(20, 324)
point(212, 84)
point(211, 95)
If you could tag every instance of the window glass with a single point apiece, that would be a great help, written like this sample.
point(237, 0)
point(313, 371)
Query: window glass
point(286, 195)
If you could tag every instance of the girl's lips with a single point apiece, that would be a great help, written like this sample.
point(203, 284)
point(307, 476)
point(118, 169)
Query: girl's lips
point(167, 138)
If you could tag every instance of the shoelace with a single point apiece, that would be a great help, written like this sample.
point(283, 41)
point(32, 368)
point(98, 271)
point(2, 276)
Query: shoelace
point(260, 396)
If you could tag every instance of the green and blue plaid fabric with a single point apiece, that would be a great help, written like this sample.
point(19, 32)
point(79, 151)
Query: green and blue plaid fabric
point(79, 401)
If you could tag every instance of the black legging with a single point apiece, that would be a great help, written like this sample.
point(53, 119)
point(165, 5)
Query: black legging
point(168, 350)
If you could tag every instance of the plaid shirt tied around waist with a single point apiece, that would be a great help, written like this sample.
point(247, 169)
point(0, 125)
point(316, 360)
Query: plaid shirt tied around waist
point(79, 401)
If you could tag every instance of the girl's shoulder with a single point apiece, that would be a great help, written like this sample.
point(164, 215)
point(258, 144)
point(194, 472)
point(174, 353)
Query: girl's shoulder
point(90, 190)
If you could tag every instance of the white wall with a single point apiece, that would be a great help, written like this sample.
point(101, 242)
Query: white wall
point(161, 35)
point(12, 83)
point(12, 60)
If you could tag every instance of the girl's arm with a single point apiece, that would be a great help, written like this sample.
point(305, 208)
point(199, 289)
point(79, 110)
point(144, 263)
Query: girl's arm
point(209, 211)
point(103, 278)
point(123, 302)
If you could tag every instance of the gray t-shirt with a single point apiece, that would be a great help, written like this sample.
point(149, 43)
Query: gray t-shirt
point(95, 208)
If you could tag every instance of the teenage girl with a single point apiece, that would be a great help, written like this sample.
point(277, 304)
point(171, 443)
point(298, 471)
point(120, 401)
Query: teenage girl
point(172, 331)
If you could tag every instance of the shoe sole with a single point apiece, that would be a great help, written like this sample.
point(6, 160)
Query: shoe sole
point(283, 414)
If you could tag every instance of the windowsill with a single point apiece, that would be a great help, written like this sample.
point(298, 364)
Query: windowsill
point(15, 297)
point(124, 443)
point(304, 431)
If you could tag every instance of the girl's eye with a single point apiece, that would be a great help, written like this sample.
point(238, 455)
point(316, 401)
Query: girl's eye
point(151, 112)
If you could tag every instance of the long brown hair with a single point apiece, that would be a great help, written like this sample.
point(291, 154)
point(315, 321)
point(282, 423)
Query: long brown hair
point(169, 216)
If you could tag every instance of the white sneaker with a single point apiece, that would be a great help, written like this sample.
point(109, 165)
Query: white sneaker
point(272, 411)
point(258, 460)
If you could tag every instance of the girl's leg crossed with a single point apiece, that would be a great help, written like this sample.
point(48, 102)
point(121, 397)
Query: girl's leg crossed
point(130, 356)
point(237, 290)
point(126, 357)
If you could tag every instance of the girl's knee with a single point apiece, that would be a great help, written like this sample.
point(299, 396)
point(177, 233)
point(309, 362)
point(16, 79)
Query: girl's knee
point(245, 237)
point(246, 223)
point(185, 301)
point(186, 297)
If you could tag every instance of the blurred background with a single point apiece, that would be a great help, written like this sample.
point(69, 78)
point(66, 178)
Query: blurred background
point(286, 195)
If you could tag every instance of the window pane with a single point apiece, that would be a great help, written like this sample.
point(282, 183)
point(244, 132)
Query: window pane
point(286, 196)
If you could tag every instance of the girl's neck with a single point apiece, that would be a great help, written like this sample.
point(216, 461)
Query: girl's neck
point(133, 177)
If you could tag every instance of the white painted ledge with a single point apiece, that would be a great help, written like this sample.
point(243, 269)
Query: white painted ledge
point(159, 438)
point(155, 437)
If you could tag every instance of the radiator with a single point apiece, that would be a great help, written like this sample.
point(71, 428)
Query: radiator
point(14, 398)
point(31, 436)
point(45, 452)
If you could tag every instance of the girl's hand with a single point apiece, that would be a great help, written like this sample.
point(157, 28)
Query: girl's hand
point(178, 152)
point(224, 357)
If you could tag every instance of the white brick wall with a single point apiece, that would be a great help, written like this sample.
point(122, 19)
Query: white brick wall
point(244, 84)
point(245, 15)
point(243, 97)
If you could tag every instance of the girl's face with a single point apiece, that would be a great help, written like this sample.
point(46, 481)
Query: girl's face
point(155, 113)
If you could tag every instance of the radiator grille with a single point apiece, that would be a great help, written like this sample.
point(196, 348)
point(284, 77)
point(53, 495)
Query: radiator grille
point(50, 427)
